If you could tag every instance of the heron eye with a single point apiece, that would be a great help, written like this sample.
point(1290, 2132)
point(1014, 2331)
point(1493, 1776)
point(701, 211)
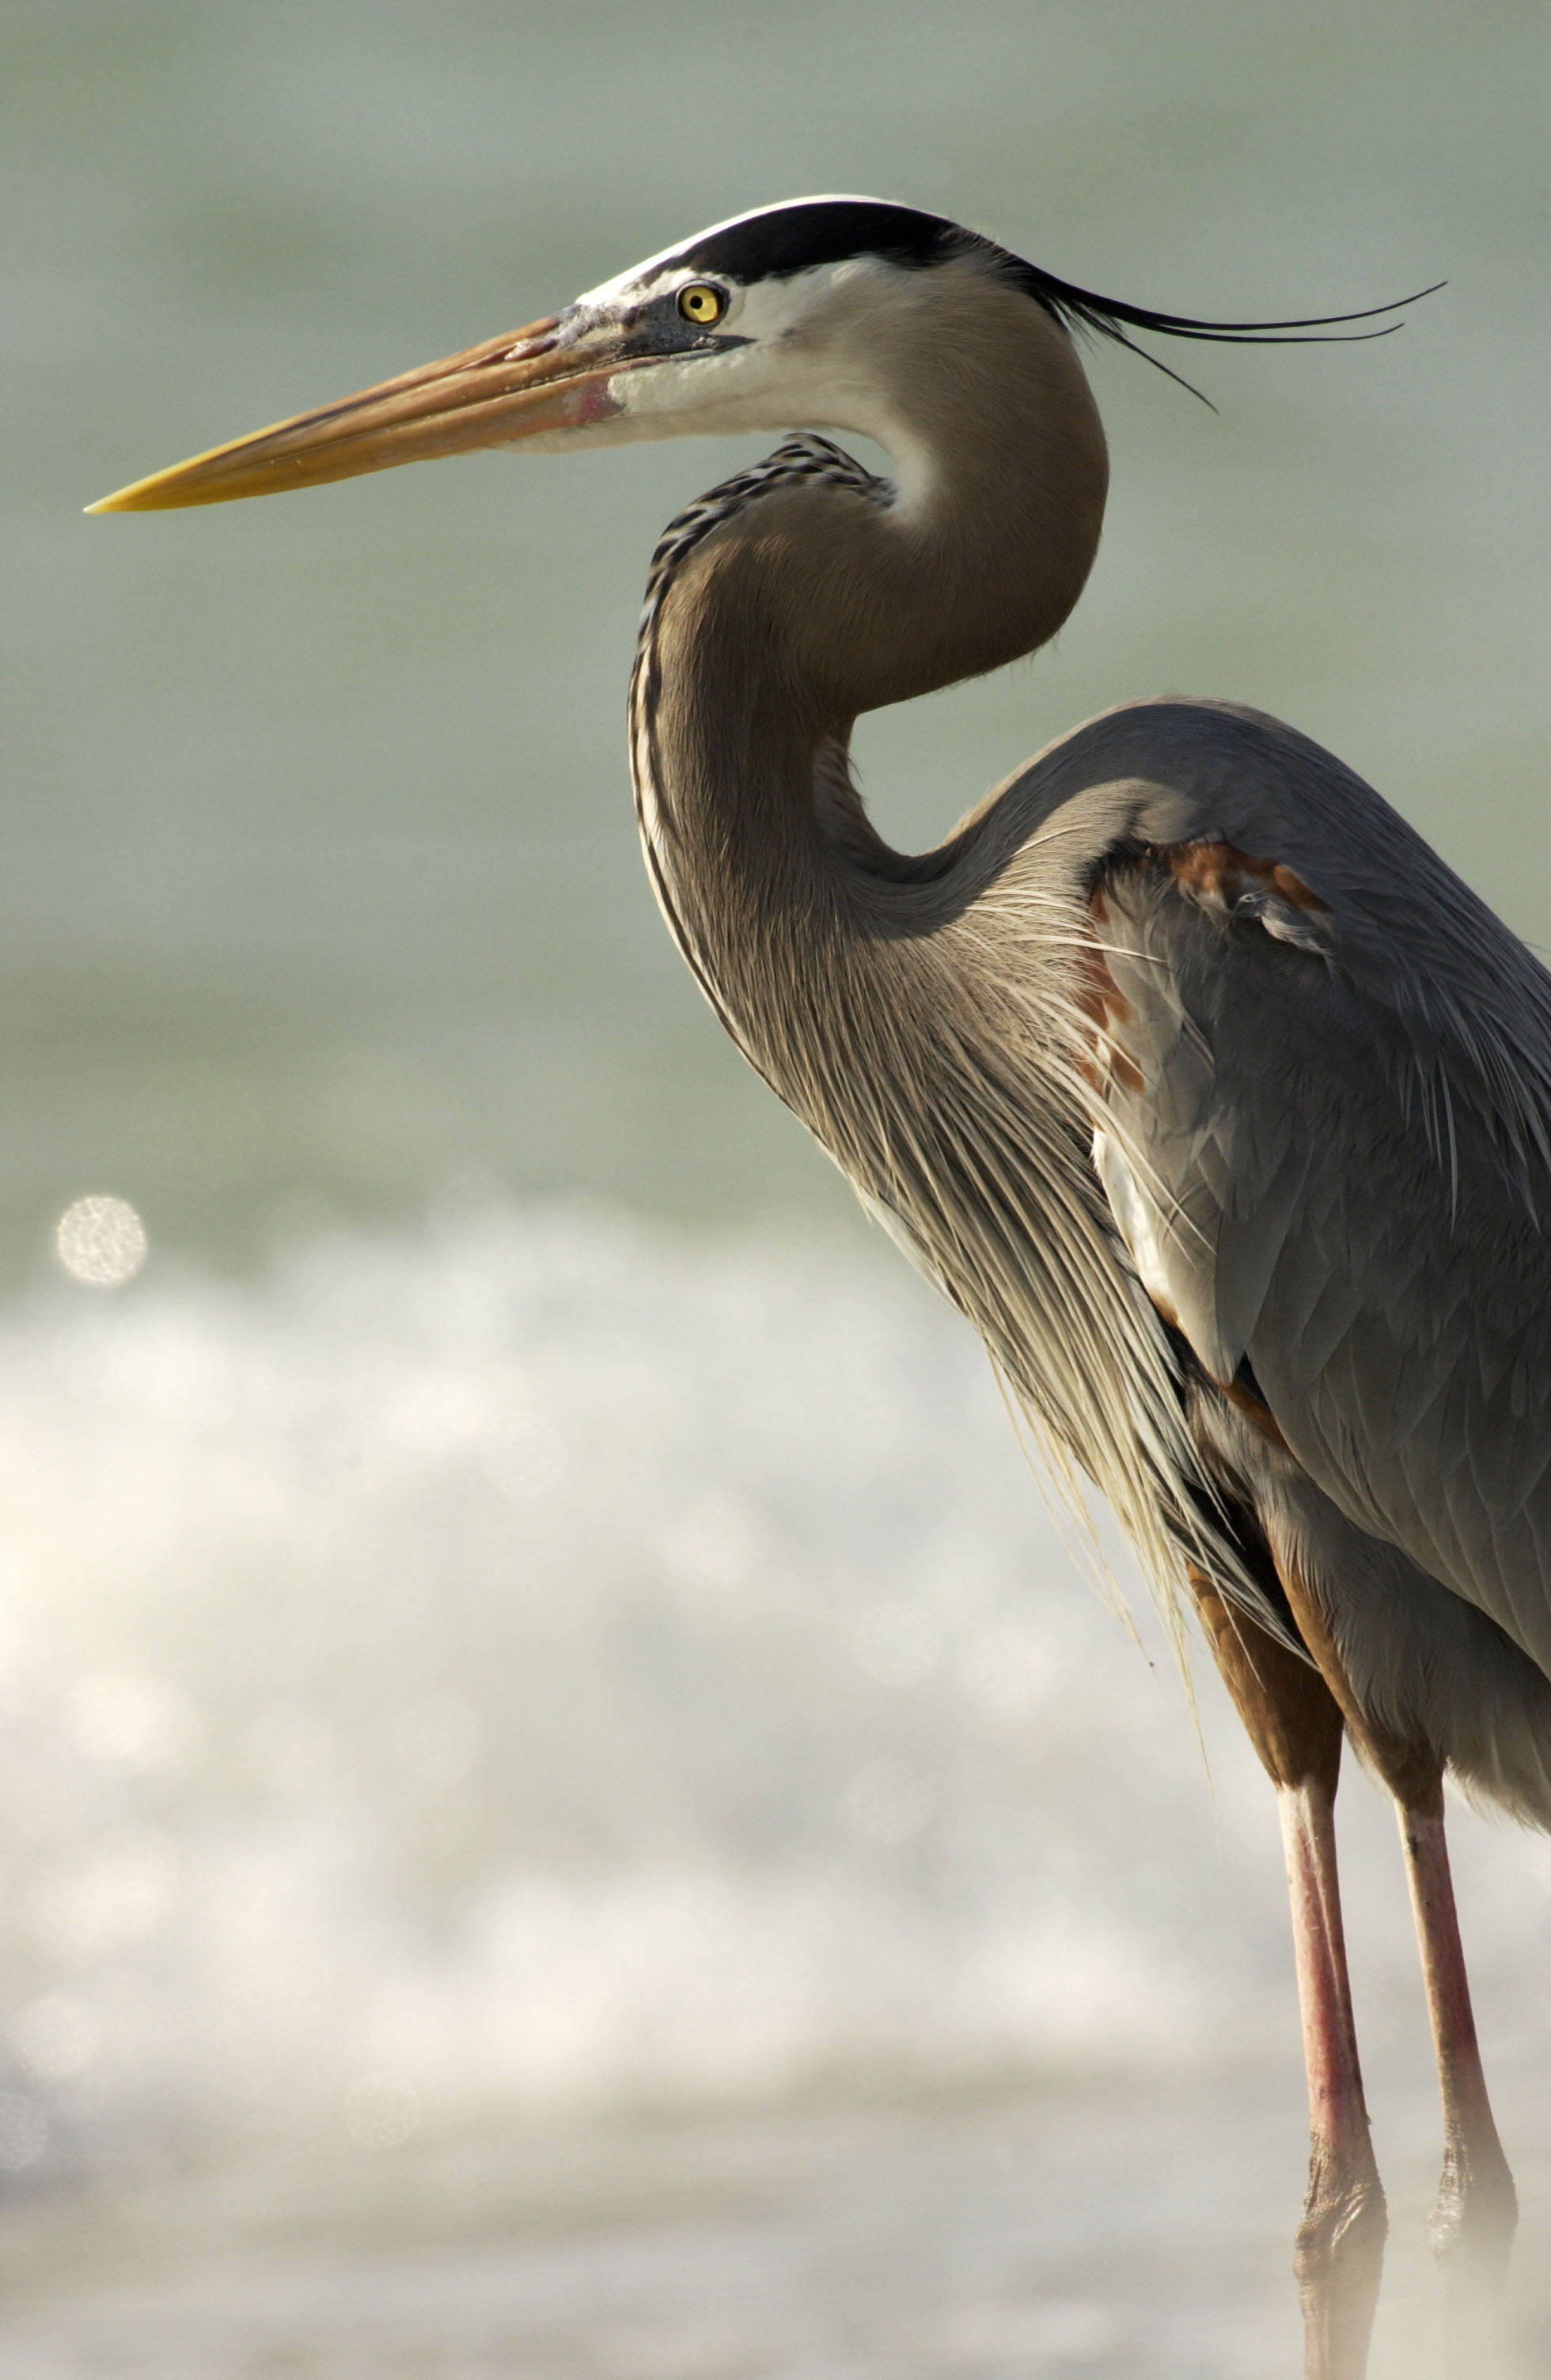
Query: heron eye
point(700, 303)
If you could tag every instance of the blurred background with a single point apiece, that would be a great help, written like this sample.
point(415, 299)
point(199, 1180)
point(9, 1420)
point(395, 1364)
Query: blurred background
point(564, 1806)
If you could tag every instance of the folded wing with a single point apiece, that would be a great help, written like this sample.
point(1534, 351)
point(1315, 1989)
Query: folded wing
point(1325, 1076)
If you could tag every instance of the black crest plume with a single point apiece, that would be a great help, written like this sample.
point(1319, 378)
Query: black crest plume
point(1083, 309)
point(780, 241)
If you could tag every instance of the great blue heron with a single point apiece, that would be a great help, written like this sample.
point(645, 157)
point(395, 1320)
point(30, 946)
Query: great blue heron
point(1183, 1067)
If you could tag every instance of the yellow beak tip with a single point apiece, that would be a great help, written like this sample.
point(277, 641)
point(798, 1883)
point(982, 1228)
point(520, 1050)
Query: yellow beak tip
point(144, 495)
point(123, 500)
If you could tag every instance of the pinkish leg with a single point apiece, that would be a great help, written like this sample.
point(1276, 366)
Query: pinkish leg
point(1471, 2225)
point(1339, 2257)
point(1294, 1723)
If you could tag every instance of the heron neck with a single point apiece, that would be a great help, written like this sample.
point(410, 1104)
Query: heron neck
point(916, 1013)
point(813, 602)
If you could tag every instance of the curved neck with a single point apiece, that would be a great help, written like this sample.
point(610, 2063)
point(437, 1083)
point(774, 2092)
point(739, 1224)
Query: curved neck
point(924, 1018)
point(920, 1016)
point(813, 601)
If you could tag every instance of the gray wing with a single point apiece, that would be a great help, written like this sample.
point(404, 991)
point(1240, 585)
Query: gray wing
point(1327, 1108)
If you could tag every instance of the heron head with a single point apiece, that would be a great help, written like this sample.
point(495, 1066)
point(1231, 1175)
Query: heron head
point(808, 315)
point(795, 316)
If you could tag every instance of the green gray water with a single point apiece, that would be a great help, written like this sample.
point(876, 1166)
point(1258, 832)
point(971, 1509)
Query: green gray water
point(320, 882)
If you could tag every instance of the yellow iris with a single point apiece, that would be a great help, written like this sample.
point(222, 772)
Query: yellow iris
point(700, 303)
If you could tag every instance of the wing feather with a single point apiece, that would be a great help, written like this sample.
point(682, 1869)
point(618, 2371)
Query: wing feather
point(1325, 1137)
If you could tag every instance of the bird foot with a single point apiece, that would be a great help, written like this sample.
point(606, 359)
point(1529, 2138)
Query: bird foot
point(1340, 2262)
point(1471, 2232)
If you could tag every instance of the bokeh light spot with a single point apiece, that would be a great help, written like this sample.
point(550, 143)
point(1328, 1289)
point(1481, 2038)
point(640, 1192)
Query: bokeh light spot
point(56, 2037)
point(381, 2110)
point(101, 1242)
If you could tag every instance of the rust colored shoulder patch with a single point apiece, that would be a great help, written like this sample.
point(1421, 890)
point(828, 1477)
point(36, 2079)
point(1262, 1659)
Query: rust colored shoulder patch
point(1240, 888)
point(1222, 874)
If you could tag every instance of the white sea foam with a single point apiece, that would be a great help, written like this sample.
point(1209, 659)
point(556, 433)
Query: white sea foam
point(541, 1662)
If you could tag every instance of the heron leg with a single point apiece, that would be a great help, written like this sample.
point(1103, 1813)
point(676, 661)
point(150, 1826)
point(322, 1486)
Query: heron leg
point(1295, 1725)
point(1471, 2225)
point(1471, 2228)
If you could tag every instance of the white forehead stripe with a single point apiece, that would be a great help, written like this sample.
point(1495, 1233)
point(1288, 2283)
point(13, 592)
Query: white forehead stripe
point(664, 269)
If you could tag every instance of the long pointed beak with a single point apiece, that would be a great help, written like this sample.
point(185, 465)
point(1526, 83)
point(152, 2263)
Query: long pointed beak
point(517, 387)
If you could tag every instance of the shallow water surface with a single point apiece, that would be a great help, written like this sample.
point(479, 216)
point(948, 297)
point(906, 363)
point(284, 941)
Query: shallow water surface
point(1108, 2232)
point(451, 1701)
